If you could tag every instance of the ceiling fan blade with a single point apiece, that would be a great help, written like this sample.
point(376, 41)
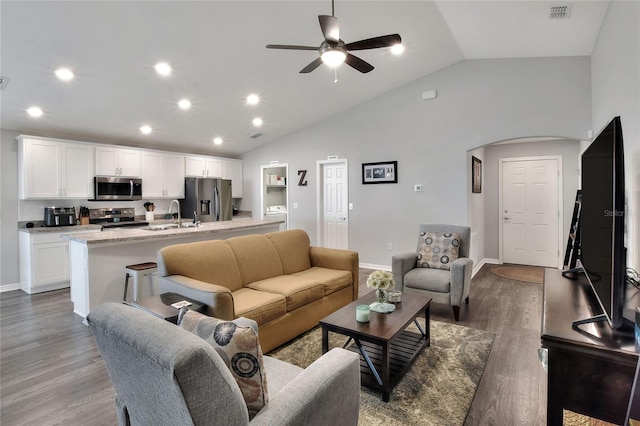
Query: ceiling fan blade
point(290, 47)
point(357, 63)
point(375, 42)
point(329, 27)
point(312, 66)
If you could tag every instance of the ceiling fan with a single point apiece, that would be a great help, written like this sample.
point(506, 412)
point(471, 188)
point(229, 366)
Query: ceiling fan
point(334, 51)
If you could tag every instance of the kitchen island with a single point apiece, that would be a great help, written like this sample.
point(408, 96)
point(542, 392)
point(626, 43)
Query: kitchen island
point(97, 259)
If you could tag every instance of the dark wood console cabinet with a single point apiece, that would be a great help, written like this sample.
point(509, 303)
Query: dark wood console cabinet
point(589, 372)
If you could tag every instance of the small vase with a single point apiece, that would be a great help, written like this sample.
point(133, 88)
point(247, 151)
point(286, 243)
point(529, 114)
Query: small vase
point(381, 295)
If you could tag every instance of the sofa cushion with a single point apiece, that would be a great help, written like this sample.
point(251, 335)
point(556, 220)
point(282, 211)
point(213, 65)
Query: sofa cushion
point(293, 248)
point(210, 261)
point(298, 290)
point(438, 249)
point(256, 256)
point(437, 280)
point(260, 306)
point(332, 279)
point(237, 344)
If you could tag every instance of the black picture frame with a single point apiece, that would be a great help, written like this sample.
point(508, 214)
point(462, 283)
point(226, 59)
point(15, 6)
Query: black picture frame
point(382, 172)
point(476, 175)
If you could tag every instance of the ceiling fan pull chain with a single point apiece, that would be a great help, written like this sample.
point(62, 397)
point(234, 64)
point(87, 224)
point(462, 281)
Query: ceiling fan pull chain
point(335, 72)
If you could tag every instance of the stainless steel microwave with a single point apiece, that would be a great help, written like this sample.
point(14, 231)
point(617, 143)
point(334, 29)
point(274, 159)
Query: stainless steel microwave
point(117, 188)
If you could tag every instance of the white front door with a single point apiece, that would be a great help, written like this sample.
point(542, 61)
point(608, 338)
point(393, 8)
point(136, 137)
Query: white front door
point(530, 212)
point(333, 223)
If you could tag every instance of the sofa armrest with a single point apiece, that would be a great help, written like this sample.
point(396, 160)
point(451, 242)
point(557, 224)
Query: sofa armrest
point(343, 260)
point(460, 279)
point(325, 393)
point(400, 265)
point(218, 299)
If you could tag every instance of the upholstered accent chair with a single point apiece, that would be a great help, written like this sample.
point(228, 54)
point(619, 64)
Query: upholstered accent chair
point(440, 267)
point(165, 375)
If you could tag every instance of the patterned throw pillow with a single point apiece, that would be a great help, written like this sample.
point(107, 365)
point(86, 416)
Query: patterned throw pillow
point(437, 249)
point(238, 346)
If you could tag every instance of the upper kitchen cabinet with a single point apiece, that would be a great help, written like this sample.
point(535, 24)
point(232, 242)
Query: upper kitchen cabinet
point(116, 161)
point(51, 169)
point(162, 175)
point(232, 169)
point(198, 166)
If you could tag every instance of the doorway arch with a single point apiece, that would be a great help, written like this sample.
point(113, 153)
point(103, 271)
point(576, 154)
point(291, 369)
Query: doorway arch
point(482, 208)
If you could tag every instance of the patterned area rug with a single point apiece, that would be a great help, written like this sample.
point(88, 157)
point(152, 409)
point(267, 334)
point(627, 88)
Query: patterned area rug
point(529, 274)
point(437, 390)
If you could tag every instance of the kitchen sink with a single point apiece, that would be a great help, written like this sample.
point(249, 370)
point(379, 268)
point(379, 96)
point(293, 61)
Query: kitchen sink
point(161, 227)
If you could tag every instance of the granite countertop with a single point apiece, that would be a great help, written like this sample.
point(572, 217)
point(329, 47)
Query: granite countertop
point(60, 229)
point(91, 237)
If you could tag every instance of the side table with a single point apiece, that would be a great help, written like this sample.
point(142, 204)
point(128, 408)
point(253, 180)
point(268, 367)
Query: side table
point(160, 305)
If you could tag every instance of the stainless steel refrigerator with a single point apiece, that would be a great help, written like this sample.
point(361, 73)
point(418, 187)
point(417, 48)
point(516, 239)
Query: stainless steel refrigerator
point(209, 200)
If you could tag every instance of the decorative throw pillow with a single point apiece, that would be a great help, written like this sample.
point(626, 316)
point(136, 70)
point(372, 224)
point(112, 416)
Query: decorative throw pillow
point(238, 346)
point(437, 249)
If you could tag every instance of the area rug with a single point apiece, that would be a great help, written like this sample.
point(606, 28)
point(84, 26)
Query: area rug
point(437, 390)
point(529, 274)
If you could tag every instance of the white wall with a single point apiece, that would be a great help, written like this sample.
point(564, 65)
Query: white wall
point(9, 271)
point(476, 210)
point(567, 149)
point(615, 69)
point(479, 102)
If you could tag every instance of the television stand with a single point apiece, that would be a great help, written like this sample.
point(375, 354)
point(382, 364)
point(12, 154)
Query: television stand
point(590, 372)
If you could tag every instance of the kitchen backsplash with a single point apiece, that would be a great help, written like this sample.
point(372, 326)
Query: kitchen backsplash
point(33, 210)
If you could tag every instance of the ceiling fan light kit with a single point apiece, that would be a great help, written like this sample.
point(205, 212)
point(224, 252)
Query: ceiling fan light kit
point(333, 51)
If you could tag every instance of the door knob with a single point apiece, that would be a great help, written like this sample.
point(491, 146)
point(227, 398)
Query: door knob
point(343, 218)
point(506, 218)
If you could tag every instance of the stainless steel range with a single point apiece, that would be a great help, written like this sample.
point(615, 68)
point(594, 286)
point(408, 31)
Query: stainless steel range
point(115, 218)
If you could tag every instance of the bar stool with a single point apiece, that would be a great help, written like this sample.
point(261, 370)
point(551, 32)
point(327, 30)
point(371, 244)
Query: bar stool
point(138, 272)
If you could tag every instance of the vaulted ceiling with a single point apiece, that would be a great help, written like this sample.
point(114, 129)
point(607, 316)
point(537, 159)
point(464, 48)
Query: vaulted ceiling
point(217, 53)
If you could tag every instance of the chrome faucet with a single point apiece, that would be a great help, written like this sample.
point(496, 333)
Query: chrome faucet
point(169, 212)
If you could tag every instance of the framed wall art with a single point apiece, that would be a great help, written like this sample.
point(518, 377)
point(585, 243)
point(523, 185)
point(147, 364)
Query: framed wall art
point(383, 172)
point(476, 175)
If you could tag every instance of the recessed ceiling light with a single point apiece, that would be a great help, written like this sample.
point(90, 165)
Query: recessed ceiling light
point(163, 68)
point(257, 121)
point(397, 49)
point(34, 111)
point(184, 103)
point(217, 140)
point(64, 74)
point(145, 130)
point(253, 99)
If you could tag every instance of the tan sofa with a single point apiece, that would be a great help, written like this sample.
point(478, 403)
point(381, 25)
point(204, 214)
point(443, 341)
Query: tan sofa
point(275, 279)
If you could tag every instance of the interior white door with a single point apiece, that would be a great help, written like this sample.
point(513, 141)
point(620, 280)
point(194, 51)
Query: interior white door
point(335, 199)
point(530, 212)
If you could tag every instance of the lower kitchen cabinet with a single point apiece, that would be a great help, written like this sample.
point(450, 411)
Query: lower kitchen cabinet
point(44, 261)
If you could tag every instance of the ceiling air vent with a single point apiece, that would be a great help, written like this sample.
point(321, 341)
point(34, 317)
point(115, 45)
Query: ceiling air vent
point(3, 82)
point(560, 11)
point(255, 135)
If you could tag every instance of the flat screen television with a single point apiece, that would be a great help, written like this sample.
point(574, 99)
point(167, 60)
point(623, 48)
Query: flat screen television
point(602, 221)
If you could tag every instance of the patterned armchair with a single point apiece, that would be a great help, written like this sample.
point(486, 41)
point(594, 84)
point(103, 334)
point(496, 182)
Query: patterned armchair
point(440, 268)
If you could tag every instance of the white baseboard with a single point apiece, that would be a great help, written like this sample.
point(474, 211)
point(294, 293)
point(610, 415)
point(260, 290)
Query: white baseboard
point(9, 287)
point(372, 266)
point(483, 262)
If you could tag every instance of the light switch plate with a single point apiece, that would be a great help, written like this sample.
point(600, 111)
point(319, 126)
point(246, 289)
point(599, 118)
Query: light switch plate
point(417, 188)
point(295, 205)
point(350, 206)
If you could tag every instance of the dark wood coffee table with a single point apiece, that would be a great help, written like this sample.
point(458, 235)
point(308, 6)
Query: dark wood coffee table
point(387, 349)
point(160, 305)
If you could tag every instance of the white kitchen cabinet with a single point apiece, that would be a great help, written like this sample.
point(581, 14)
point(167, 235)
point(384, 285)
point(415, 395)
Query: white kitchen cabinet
point(199, 166)
point(44, 261)
point(232, 169)
point(162, 175)
point(53, 169)
point(116, 161)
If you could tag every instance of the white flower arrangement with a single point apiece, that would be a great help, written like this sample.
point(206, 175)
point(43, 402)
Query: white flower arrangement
point(381, 280)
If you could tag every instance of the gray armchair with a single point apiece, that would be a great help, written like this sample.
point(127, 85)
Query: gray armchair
point(163, 374)
point(443, 286)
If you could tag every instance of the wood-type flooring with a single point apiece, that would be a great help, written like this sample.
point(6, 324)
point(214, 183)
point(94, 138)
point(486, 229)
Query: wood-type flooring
point(51, 371)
